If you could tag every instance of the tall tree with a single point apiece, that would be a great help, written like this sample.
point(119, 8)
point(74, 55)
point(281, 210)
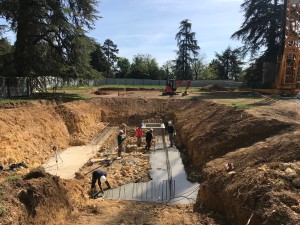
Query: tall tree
point(263, 27)
point(50, 31)
point(110, 49)
point(188, 50)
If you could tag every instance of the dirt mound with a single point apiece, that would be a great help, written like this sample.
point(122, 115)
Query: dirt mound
point(101, 92)
point(38, 198)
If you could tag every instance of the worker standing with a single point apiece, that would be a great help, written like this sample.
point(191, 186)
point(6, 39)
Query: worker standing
point(171, 131)
point(121, 138)
point(139, 134)
point(149, 137)
point(99, 175)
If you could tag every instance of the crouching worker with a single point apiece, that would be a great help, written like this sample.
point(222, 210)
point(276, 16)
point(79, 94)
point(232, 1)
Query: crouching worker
point(98, 175)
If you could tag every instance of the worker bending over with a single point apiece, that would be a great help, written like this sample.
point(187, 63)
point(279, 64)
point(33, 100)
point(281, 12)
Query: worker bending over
point(99, 175)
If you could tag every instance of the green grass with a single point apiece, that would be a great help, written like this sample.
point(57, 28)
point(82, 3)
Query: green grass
point(156, 87)
point(59, 96)
point(68, 88)
point(120, 86)
point(13, 100)
point(47, 96)
point(2, 210)
point(14, 177)
point(242, 106)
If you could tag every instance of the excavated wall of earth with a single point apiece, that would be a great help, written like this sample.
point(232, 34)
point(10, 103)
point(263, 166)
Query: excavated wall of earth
point(262, 188)
point(265, 152)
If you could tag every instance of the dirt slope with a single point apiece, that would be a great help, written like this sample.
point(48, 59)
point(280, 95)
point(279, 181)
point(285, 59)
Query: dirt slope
point(29, 131)
point(265, 149)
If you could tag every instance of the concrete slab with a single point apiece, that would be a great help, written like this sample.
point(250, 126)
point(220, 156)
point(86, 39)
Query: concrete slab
point(66, 163)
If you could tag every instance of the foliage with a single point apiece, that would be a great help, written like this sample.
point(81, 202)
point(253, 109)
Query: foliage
point(198, 67)
point(252, 74)
point(208, 72)
point(168, 70)
point(50, 36)
point(98, 59)
point(228, 64)
point(124, 67)
point(263, 27)
point(188, 50)
point(144, 67)
point(6, 58)
point(2, 210)
point(110, 50)
point(14, 177)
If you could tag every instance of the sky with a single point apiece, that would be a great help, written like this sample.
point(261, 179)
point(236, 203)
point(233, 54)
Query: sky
point(150, 26)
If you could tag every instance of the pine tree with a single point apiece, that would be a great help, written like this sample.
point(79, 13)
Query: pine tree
point(188, 50)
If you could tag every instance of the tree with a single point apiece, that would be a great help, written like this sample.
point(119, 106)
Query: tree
point(98, 59)
point(188, 50)
point(124, 67)
point(6, 58)
point(198, 67)
point(144, 66)
point(168, 69)
point(229, 64)
point(251, 75)
point(110, 50)
point(50, 35)
point(209, 72)
point(263, 28)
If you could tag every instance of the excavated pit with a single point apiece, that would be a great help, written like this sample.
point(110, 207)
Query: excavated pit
point(265, 152)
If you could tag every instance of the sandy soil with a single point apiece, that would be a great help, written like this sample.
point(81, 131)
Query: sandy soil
point(262, 141)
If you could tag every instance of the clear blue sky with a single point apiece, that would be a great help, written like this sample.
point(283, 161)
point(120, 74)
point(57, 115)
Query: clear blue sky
point(150, 26)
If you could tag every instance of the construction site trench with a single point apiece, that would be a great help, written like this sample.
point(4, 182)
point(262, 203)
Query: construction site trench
point(263, 145)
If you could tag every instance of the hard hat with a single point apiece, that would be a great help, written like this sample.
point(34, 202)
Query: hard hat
point(103, 178)
point(169, 123)
point(151, 129)
point(121, 131)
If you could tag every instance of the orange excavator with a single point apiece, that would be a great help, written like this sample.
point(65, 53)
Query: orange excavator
point(172, 85)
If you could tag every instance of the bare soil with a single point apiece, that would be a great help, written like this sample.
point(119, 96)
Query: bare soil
point(261, 140)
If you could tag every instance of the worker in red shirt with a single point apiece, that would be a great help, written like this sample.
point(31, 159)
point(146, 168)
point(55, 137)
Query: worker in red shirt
point(139, 134)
